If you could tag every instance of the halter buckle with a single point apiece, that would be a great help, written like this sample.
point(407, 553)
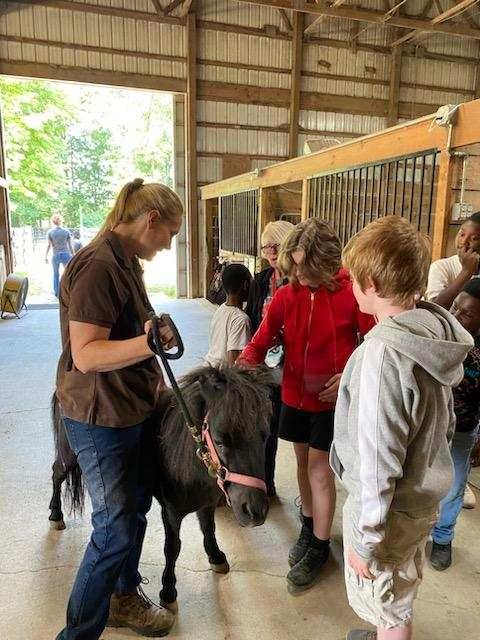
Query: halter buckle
point(222, 473)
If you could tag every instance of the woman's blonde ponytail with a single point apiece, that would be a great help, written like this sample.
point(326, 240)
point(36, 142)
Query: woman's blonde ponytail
point(137, 198)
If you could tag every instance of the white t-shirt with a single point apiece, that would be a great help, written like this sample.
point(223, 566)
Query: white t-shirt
point(229, 331)
point(442, 273)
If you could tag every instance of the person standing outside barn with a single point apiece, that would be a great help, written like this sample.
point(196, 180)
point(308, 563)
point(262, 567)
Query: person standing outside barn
point(60, 242)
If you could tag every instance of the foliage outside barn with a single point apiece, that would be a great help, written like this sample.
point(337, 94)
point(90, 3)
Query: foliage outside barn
point(68, 150)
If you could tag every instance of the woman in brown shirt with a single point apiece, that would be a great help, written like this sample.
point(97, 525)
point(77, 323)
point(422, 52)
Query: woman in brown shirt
point(108, 382)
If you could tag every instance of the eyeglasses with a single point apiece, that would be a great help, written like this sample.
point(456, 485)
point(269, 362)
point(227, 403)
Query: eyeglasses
point(270, 248)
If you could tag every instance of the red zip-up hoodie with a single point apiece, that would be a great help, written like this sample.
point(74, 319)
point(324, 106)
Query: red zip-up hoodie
point(320, 333)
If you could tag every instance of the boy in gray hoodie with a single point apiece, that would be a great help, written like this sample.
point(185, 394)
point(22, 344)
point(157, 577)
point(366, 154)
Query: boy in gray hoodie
point(393, 422)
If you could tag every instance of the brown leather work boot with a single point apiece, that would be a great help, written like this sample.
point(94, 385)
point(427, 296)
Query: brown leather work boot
point(136, 611)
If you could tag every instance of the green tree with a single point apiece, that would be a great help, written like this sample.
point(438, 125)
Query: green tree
point(153, 160)
point(90, 159)
point(36, 116)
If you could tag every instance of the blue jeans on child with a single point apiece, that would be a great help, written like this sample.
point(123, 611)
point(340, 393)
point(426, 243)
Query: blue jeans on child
point(62, 257)
point(451, 505)
point(113, 471)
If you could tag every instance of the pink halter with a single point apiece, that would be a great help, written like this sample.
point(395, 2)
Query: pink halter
point(223, 474)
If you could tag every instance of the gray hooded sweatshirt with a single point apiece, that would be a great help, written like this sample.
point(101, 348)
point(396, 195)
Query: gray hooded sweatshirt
point(394, 420)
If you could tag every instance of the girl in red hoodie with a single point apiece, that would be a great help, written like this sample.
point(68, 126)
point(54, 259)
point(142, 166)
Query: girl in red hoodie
point(320, 319)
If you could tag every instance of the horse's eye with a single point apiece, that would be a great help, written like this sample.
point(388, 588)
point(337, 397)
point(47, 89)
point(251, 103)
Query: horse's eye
point(219, 443)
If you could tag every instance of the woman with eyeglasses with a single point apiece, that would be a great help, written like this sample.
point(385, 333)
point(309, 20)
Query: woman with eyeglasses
point(262, 290)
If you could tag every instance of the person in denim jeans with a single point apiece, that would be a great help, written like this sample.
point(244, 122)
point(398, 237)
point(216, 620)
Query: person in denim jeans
point(59, 240)
point(466, 308)
point(110, 460)
point(108, 386)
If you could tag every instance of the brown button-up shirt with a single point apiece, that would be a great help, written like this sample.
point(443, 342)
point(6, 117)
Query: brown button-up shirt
point(102, 286)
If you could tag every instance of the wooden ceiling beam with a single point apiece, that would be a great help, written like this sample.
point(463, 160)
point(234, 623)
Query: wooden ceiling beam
point(146, 55)
point(188, 5)
point(172, 6)
point(460, 7)
point(376, 17)
point(103, 10)
point(442, 17)
point(315, 101)
point(211, 25)
point(316, 23)
point(158, 7)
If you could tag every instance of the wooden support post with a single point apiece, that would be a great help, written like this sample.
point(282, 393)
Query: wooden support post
point(442, 205)
point(210, 211)
point(394, 91)
point(191, 168)
point(267, 206)
point(5, 229)
point(297, 50)
point(477, 79)
point(305, 199)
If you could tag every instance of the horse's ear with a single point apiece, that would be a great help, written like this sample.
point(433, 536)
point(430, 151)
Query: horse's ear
point(211, 383)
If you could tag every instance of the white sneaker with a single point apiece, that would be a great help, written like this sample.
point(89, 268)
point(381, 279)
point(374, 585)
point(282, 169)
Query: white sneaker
point(469, 499)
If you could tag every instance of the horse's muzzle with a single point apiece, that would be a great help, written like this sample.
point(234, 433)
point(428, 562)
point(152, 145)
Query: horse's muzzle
point(250, 506)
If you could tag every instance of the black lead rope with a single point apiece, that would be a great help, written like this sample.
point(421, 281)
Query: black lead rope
point(202, 450)
point(165, 357)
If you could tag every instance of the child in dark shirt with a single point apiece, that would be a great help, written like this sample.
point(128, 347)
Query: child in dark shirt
point(466, 309)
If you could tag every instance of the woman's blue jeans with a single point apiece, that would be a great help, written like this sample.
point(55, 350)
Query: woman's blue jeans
point(115, 475)
point(451, 505)
point(62, 257)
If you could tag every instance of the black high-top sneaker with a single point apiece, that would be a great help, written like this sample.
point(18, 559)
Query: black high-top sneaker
point(303, 574)
point(299, 549)
point(441, 556)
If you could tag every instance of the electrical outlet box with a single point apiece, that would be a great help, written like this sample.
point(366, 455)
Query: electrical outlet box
point(461, 210)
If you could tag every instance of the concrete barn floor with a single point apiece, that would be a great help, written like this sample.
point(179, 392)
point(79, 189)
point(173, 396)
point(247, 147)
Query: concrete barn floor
point(37, 565)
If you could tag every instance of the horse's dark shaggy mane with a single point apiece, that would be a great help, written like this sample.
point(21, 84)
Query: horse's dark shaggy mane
point(239, 398)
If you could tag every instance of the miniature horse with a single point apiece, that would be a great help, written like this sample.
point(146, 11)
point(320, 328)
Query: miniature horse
point(238, 407)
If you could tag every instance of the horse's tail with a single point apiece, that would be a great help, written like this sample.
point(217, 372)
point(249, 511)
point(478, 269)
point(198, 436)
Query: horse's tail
point(74, 486)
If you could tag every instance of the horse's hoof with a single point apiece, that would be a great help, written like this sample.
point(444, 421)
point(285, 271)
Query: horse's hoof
point(57, 525)
point(171, 606)
point(223, 567)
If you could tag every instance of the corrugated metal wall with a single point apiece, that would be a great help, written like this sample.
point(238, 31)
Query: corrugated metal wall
point(95, 44)
point(132, 36)
point(46, 35)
